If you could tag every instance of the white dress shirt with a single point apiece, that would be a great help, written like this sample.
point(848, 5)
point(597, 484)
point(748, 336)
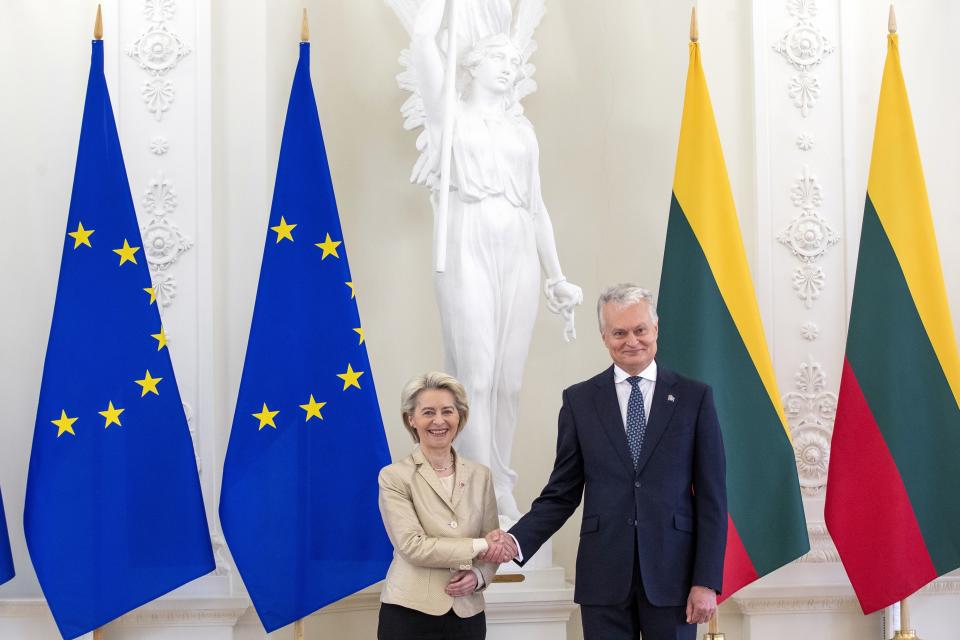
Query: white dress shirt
point(648, 380)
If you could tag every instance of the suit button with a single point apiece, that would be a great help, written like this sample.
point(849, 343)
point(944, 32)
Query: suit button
point(631, 521)
point(453, 524)
point(637, 484)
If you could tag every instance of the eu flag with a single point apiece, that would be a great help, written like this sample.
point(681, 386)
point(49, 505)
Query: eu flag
point(299, 498)
point(6, 560)
point(113, 514)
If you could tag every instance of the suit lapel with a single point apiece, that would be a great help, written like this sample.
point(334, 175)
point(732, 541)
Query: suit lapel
point(426, 472)
point(460, 480)
point(608, 408)
point(664, 402)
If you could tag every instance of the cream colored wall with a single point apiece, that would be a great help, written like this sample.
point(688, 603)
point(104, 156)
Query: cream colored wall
point(611, 76)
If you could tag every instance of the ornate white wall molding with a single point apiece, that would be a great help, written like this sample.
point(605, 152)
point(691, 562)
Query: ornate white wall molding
point(158, 50)
point(808, 281)
point(810, 411)
point(822, 549)
point(803, 604)
point(804, 47)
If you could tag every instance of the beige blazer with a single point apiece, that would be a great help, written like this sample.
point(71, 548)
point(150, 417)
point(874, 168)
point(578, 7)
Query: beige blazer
point(432, 533)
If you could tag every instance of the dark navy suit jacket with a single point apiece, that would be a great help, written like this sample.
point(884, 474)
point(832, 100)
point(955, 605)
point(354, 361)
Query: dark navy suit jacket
point(672, 508)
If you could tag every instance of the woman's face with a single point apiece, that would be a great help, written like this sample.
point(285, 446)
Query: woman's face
point(435, 418)
point(498, 70)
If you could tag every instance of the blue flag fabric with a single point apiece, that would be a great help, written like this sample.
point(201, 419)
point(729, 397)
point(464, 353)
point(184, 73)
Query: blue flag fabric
point(299, 497)
point(113, 514)
point(6, 560)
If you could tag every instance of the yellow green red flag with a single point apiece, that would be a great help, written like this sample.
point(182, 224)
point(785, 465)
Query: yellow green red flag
point(892, 506)
point(711, 330)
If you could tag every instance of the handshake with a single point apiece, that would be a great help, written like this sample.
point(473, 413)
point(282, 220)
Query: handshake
point(501, 547)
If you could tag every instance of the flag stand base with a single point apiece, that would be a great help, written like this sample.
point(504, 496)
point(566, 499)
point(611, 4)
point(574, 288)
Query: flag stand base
point(714, 636)
point(906, 635)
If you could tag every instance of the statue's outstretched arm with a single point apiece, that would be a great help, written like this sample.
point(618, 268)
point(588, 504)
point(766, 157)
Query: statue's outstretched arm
point(427, 59)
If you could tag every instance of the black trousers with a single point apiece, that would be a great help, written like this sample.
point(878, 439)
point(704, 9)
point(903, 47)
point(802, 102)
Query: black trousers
point(635, 617)
point(401, 623)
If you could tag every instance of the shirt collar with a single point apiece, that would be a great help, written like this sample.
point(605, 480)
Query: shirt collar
point(650, 373)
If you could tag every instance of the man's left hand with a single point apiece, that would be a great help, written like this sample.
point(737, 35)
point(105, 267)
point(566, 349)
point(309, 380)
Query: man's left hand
point(701, 605)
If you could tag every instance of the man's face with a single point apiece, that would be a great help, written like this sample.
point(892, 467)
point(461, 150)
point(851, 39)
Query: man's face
point(630, 334)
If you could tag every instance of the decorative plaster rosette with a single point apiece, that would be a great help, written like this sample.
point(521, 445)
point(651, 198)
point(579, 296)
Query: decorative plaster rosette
point(808, 237)
point(158, 50)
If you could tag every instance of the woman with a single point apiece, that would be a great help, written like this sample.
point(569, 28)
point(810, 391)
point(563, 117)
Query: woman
point(437, 508)
point(499, 237)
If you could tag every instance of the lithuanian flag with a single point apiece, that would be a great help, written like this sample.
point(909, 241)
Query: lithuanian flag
point(892, 490)
point(710, 330)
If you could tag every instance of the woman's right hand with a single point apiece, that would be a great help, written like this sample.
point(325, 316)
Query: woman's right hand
point(429, 19)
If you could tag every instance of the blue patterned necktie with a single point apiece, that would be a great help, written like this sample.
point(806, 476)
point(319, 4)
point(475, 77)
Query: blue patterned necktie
point(636, 419)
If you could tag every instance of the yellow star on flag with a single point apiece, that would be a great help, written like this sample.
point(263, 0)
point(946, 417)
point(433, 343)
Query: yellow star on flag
point(313, 408)
point(126, 253)
point(64, 424)
point(81, 236)
point(149, 384)
point(353, 291)
point(266, 417)
point(161, 338)
point(152, 292)
point(112, 415)
point(361, 333)
point(350, 378)
point(329, 247)
point(283, 230)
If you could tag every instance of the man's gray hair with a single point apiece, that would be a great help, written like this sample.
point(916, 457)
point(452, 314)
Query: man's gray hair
point(624, 295)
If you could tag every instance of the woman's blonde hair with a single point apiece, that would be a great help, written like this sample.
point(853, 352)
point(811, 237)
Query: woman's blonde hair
point(432, 380)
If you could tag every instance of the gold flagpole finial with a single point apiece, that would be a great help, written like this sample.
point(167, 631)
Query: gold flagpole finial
point(98, 25)
point(694, 30)
point(304, 27)
point(892, 21)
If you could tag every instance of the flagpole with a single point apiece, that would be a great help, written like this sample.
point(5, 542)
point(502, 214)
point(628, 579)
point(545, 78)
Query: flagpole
point(298, 630)
point(905, 632)
point(713, 626)
point(98, 35)
point(446, 141)
point(98, 25)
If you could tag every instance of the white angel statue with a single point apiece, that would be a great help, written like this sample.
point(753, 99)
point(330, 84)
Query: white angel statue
point(493, 234)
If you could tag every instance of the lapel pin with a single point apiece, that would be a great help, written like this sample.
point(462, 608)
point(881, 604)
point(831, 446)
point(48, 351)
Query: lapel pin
point(671, 398)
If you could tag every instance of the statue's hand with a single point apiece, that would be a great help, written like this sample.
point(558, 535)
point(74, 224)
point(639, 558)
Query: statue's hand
point(562, 297)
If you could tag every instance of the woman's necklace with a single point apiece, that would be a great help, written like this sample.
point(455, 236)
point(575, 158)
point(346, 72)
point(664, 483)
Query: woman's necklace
point(446, 468)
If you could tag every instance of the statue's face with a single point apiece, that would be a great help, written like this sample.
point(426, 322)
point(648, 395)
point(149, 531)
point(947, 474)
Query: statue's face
point(498, 70)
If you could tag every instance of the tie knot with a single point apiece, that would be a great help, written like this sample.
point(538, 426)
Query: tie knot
point(634, 381)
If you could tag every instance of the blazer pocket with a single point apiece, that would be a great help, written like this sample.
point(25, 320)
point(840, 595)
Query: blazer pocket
point(589, 524)
point(683, 522)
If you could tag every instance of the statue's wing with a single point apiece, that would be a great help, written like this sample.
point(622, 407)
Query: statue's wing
point(412, 109)
point(528, 16)
point(529, 13)
point(407, 11)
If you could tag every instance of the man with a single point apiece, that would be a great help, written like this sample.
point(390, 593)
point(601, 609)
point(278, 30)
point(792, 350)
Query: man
point(643, 445)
